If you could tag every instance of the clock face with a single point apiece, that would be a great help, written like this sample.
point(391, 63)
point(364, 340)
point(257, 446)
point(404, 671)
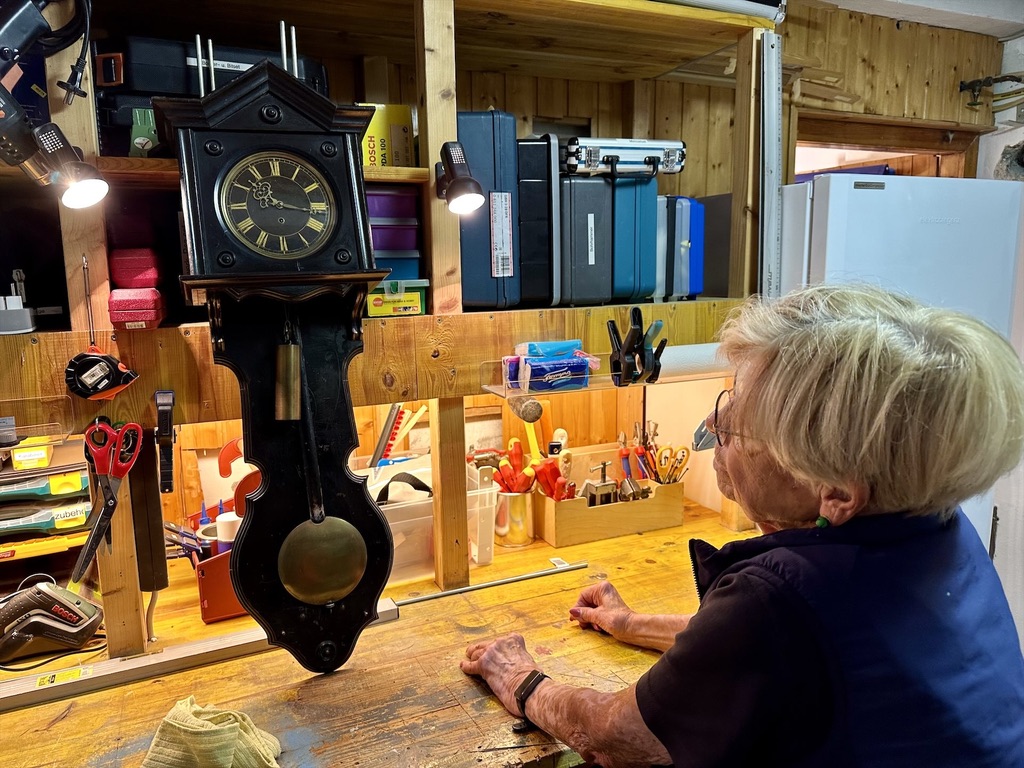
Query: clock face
point(278, 205)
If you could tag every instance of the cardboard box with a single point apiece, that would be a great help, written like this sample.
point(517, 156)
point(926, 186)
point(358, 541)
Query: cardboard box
point(398, 298)
point(388, 138)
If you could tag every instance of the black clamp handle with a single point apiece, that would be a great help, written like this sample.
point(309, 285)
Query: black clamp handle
point(165, 437)
point(634, 358)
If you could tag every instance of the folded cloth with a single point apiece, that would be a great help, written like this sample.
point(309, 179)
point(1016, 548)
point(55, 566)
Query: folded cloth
point(193, 736)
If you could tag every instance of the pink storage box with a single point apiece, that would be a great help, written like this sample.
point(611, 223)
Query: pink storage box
point(134, 268)
point(394, 234)
point(136, 309)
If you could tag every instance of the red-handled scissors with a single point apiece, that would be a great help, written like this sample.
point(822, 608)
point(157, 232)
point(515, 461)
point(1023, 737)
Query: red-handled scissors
point(111, 453)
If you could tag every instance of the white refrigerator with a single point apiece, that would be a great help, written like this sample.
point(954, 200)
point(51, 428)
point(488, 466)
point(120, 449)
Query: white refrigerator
point(956, 243)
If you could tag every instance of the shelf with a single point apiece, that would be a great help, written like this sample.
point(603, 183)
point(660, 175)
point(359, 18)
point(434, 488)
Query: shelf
point(685, 362)
point(48, 545)
point(606, 40)
point(162, 173)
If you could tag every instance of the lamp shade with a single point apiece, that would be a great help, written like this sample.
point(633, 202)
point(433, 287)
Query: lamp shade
point(84, 185)
point(456, 184)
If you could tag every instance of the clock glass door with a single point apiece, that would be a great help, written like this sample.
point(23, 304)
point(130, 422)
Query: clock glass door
point(278, 205)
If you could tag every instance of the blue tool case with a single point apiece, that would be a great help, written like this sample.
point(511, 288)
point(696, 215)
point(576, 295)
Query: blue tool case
point(490, 235)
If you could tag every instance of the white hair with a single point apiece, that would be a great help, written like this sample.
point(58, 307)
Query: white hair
point(856, 384)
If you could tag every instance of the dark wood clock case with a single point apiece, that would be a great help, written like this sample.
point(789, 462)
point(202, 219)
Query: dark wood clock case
point(313, 552)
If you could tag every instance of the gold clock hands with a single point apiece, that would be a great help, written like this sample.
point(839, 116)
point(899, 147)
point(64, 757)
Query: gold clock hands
point(279, 204)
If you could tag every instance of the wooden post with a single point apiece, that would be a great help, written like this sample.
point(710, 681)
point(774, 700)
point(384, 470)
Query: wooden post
point(376, 79)
point(451, 527)
point(733, 516)
point(744, 250)
point(82, 231)
point(124, 617)
point(435, 75)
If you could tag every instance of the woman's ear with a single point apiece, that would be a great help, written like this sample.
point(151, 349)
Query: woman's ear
point(838, 504)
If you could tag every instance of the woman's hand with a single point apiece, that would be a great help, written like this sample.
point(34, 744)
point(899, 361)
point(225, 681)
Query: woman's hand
point(600, 607)
point(503, 664)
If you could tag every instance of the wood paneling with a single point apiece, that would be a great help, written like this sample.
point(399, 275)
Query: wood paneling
point(698, 115)
point(403, 359)
point(898, 68)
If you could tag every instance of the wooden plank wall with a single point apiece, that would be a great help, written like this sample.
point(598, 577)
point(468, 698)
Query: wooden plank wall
point(899, 68)
point(700, 115)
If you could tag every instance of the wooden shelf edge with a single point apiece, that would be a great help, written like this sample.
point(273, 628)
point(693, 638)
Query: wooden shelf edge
point(908, 122)
point(162, 173)
point(612, 12)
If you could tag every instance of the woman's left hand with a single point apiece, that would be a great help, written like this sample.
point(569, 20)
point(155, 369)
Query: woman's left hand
point(503, 664)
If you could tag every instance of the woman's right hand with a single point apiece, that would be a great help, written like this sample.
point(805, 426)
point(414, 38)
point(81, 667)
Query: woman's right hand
point(601, 607)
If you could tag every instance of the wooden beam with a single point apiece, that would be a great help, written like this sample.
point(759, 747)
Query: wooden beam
point(124, 615)
point(83, 232)
point(880, 132)
point(743, 254)
point(451, 527)
point(435, 73)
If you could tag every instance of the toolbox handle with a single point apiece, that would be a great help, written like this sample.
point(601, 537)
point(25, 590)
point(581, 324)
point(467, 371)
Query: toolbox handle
point(408, 479)
point(109, 69)
point(613, 161)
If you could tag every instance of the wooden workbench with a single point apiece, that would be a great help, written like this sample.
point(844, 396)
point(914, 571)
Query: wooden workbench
point(401, 699)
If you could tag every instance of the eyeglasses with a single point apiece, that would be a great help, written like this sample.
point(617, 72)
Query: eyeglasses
point(702, 436)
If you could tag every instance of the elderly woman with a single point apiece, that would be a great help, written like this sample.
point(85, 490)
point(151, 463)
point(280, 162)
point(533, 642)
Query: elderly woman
point(867, 625)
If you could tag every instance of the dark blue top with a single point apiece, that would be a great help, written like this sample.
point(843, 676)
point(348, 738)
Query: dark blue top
point(886, 641)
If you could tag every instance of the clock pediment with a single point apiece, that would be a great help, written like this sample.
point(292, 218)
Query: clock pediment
point(265, 99)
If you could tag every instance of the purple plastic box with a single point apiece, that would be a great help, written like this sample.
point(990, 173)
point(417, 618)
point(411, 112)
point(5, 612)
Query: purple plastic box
point(392, 202)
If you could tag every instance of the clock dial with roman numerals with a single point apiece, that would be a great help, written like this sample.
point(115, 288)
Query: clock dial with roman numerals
point(278, 205)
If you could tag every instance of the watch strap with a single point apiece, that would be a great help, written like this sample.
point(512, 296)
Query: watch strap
point(526, 689)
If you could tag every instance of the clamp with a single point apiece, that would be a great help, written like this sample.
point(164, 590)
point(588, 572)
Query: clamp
point(165, 437)
point(634, 358)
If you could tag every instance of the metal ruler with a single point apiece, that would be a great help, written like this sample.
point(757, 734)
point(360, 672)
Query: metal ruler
point(770, 273)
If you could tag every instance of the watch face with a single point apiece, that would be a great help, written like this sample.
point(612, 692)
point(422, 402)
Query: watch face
point(278, 205)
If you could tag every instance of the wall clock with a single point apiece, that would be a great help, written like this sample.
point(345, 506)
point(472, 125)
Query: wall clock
point(278, 249)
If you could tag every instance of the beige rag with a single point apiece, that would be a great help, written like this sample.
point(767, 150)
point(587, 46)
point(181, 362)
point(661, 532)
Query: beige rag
point(193, 736)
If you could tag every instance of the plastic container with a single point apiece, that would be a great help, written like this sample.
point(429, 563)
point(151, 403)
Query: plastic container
point(394, 234)
point(134, 268)
point(398, 298)
point(404, 265)
point(32, 453)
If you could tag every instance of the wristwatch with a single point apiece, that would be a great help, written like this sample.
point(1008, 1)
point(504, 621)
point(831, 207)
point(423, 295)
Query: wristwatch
point(526, 689)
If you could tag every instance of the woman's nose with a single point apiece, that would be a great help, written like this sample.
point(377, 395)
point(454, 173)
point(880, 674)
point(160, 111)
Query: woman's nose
point(709, 422)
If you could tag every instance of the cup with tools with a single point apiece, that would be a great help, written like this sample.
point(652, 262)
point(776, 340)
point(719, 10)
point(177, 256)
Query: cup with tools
point(513, 515)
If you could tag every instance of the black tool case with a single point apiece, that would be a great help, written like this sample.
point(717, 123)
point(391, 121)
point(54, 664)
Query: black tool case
point(149, 67)
point(586, 240)
point(540, 239)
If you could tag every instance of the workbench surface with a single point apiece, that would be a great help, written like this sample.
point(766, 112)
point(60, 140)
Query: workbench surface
point(401, 699)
